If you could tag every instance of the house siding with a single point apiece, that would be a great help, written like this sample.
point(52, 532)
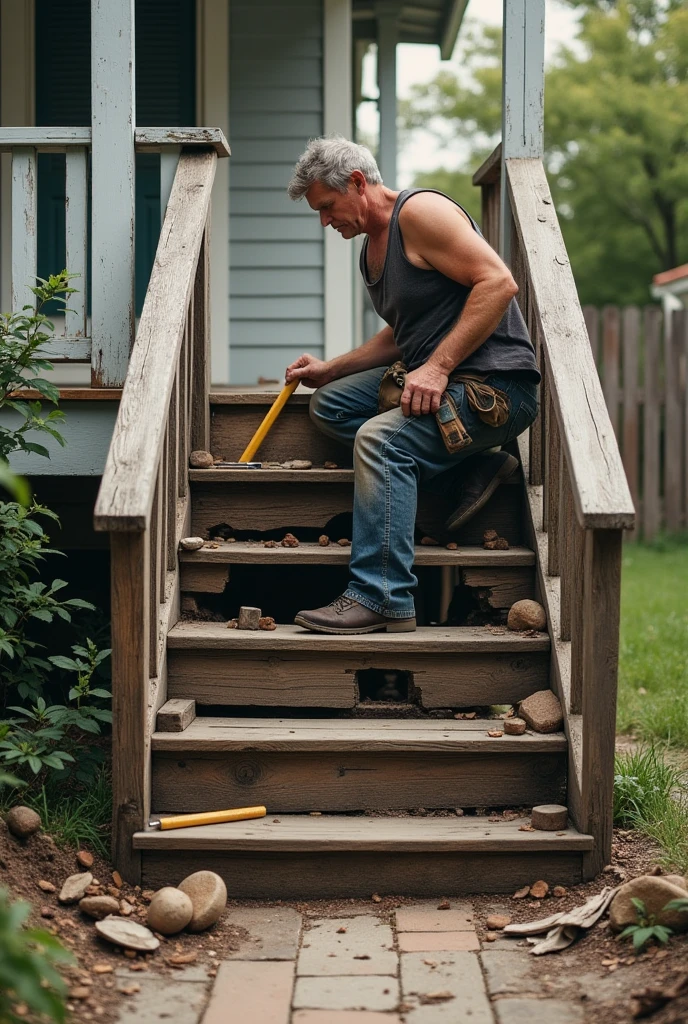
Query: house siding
point(276, 246)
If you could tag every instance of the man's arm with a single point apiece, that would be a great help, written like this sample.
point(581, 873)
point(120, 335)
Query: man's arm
point(380, 350)
point(438, 236)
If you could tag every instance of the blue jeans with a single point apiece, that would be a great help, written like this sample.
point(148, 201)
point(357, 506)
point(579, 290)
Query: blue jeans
point(392, 455)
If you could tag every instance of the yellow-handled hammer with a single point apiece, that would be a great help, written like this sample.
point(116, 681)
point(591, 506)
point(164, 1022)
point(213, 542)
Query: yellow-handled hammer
point(245, 462)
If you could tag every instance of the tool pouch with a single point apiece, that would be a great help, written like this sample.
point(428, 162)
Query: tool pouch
point(491, 404)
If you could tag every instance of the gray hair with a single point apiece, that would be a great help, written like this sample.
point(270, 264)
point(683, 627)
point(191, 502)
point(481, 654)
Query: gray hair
point(331, 160)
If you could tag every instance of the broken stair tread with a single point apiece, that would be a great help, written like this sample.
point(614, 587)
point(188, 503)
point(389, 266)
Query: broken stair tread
point(293, 734)
point(313, 554)
point(330, 832)
point(426, 639)
point(259, 394)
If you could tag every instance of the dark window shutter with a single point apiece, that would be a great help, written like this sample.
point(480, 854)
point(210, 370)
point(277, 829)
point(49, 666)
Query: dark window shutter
point(165, 96)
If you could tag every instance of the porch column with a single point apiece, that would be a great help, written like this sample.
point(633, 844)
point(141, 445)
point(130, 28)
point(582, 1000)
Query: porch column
point(387, 14)
point(113, 184)
point(523, 91)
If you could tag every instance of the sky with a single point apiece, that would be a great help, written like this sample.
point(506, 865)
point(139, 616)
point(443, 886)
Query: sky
point(420, 63)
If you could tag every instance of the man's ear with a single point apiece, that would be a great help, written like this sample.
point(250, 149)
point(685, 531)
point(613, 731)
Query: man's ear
point(358, 180)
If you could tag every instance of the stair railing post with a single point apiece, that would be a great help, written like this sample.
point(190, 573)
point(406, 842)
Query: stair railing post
point(600, 660)
point(113, 189)
point(523, 93)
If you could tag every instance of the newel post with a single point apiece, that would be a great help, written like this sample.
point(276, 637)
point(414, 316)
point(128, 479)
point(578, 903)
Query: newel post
point(113, 184)
point(523, 95)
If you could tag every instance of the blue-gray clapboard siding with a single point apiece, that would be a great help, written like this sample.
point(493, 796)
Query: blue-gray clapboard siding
point(276, 246)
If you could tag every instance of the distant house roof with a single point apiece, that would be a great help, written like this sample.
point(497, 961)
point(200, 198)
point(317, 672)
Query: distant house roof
point(669, 276)
point(420, 21)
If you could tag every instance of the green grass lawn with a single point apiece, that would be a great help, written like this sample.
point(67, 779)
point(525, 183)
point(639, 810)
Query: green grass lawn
point(653, 664)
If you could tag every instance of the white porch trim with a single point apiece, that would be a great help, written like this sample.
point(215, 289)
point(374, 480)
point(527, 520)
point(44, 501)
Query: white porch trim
point(17, 109)
point(212, 109)
point(338, 117)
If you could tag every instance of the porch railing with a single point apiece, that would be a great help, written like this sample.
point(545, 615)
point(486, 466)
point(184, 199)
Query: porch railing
point(143, 500)
point(578, 499)
point(76, 344)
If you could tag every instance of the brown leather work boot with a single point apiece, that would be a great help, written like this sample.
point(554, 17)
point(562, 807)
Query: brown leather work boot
point(344, 615)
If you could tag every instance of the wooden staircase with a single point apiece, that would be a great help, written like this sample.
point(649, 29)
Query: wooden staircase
point(312, 750)
point(362, 792)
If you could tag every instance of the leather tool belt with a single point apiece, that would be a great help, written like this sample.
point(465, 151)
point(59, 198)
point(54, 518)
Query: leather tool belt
point(491, 404)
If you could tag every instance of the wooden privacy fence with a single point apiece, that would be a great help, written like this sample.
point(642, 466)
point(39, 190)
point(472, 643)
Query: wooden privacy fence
point(642, 358)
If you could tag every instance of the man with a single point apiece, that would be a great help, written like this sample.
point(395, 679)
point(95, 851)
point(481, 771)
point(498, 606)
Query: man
point(448, 301)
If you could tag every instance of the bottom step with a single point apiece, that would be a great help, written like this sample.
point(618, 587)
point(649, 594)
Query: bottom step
point(303, 857)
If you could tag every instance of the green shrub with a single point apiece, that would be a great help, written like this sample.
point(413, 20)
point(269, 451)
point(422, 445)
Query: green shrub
point(651, 795)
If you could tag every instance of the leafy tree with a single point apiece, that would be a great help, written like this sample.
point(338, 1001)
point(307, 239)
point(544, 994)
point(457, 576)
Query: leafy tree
point(616, 142)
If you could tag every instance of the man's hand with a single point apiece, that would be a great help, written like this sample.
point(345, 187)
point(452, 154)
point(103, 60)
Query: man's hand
point(424, 389)
point(313, 372)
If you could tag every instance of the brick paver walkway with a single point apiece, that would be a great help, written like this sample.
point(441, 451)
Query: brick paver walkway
point(430, 968)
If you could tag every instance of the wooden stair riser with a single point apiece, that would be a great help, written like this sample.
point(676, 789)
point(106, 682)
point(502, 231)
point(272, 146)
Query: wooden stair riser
point(255, 875)
point(339, 781)
point(499, 588)
point(312, 679)
point(261, 506)
point(294, 435)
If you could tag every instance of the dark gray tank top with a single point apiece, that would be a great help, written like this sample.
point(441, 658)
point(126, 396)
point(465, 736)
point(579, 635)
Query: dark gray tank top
point(421, 307)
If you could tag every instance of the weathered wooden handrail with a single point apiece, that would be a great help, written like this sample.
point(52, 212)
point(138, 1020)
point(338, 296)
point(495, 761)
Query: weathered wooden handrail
point(601, 495)
point(143, 499)
point(578, 501)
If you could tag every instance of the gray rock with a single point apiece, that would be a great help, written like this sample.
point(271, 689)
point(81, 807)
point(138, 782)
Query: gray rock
point(99, 906)
point(191, 543)
point(169, 911)
point(297, 464)
point(23, 821)
point(542, 711)
point(249, 618)
point(655, 891)
point(208, 895)
point(74, 888)
point(128, 934)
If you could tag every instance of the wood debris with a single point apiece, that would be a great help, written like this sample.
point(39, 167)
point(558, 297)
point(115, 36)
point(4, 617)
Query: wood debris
point(289, 541)
point(323, 540)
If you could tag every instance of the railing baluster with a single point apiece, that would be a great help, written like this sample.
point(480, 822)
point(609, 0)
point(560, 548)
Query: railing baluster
point(536, 439)
point(173, 483)
point(165, 514)
point(24, 234)
point(566, 524)
point(154, 587)
point(576, 584)
point(183, 417)
point(200, 406)
point(76, 236)
point(553, 488)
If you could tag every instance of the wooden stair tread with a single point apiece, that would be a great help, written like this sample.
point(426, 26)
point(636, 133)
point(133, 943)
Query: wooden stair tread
point(259, 394)
point(360, 735)
point(313, 554)
point(426, 639)
point(330, 833)
point(272, 476)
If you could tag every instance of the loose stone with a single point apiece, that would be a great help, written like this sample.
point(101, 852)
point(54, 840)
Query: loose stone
point(170, 910)
point(514, 726)
point(128, 934)
point(84, 859)
point(200, 460)
point(323, 540)
point(526, 615)
point(23, 821)
point(496, 922)
point(74, 888)
point(542, 711)
point(297, 464)
point(539, 890)
point(208, 895)
point(290, 541)
point(267, 622)
point(249, 618)
point(47, 886)
point(344, 542)
point(191, 543)
point(99, 906)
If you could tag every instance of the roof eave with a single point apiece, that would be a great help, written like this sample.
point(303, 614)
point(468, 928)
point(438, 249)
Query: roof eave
point(455, 14)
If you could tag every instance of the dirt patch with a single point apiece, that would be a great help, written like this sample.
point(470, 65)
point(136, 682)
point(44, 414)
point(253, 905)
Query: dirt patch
point(25, 863)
